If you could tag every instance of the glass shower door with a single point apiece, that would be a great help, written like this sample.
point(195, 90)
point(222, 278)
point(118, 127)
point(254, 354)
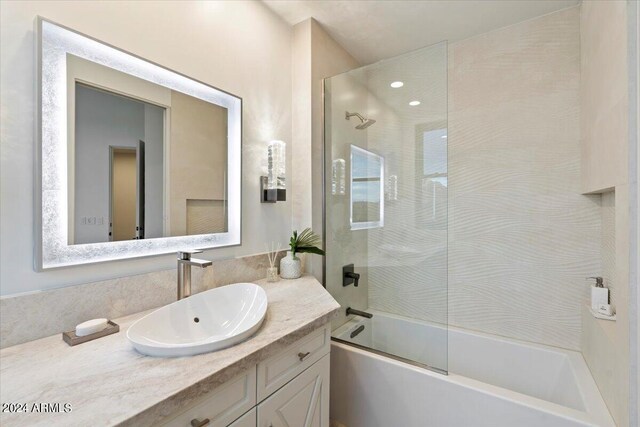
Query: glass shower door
point(386, 205)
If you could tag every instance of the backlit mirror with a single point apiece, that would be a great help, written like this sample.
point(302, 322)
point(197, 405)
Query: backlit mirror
point(135, 159)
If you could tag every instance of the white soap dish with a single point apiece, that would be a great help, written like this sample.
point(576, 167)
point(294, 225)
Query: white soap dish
point(601, 316)
point(72, 339)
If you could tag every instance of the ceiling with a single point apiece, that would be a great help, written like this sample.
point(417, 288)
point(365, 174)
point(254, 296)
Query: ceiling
point(423, 73)
point(372, 30)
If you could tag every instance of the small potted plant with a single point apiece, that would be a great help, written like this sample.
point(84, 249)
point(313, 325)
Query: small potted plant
point(305, 242)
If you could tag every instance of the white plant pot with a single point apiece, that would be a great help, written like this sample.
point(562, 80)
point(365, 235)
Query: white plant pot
point(290, 267)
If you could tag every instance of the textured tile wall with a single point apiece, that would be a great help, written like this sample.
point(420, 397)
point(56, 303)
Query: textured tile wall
point(522, 238)
point(605, 150)
point(608, 243)
point(408, 257)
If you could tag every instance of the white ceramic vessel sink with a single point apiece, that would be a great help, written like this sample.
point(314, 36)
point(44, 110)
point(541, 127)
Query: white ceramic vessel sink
point(204, 322)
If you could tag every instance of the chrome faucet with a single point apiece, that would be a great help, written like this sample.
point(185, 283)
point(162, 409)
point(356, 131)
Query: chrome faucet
point(184, 271)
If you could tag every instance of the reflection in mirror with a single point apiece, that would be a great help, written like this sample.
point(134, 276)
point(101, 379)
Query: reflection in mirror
point(149, 162)
point(367, 189)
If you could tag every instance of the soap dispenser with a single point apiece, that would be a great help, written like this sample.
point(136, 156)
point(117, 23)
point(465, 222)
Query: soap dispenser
point(599, 294)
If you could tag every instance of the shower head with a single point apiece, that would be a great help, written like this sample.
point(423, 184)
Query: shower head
point(365, 122)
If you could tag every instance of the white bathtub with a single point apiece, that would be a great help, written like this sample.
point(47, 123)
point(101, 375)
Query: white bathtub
point(492, 381)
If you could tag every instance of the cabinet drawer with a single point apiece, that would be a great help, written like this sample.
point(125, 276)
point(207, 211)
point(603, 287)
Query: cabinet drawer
point(247, 420)
point(279, 369)
point(302, 402)
point(221, 406)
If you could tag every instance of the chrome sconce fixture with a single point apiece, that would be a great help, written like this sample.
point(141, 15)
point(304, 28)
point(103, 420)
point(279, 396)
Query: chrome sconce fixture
point(272, 186)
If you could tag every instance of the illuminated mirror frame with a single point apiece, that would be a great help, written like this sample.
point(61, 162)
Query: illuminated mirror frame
point(52, 249)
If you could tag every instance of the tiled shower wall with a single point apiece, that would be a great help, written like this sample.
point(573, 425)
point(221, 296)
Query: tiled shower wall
point(604, 109)
point(408, 256)
point(608, 244)
point(522, 237)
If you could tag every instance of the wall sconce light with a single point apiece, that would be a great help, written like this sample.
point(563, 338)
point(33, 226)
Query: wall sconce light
point(272, 186)
point(338, 177)
point(392, 188)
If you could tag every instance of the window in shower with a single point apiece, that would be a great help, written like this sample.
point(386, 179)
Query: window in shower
point(367, 191)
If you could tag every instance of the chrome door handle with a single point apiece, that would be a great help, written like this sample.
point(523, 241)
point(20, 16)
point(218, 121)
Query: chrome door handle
point(303, 356)
point(197, 423)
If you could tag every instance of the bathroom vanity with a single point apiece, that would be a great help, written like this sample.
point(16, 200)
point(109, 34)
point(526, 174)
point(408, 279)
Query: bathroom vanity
point(282, 372)
point(290, 385)
point(175, 126)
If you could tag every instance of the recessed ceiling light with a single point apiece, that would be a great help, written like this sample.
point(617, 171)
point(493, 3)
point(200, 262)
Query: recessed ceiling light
point(444, 137)
point(396, 85)
point(414, 103)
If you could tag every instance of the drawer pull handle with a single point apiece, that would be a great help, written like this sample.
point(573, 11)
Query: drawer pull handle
point(303, 356)
point(197, 423)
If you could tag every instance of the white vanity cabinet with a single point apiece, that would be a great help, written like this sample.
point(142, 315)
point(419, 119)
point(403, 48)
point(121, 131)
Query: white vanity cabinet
point(247, 420)
point(221, 406)
point(304, 402)
point(282, 367)
point(288, 389)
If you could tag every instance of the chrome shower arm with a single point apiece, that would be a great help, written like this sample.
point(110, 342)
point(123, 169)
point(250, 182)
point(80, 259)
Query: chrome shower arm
point(348, 115)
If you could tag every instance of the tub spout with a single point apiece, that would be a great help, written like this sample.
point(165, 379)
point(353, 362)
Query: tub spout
point(358, 313)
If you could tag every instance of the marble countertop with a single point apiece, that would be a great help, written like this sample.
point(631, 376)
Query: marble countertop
point(107, 382)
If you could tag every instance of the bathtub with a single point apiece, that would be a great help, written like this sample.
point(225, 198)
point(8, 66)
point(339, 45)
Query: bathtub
point(492, 381)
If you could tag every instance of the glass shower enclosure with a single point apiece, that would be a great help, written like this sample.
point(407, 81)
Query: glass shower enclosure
point(385, 206)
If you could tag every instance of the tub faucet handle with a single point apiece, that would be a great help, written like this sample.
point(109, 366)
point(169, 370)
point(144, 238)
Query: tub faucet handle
point(349, 276)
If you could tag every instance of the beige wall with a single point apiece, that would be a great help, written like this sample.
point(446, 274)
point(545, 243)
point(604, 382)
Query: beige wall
point(344, 246)
point(634, 139)
point(202, 40)
point(604, 94)
point(522, 238)
point(300, 188)
point(197, 161)
point(327, 58)
point(316, 56)
point(604, 125)
point(605, 344)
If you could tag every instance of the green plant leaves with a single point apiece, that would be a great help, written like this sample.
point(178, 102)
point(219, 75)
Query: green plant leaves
point(307, 241)
point(309, 249)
